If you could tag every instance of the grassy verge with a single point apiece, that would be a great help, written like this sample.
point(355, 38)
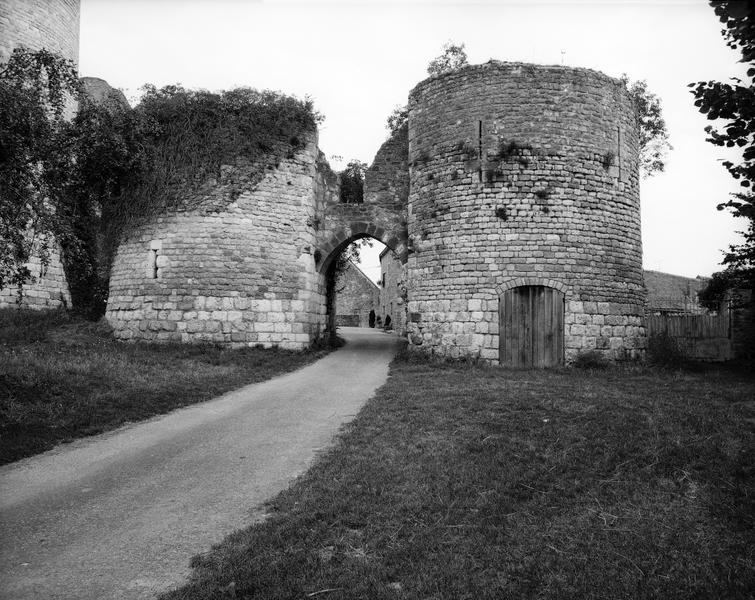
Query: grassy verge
point(465, 482)
point(62, 378)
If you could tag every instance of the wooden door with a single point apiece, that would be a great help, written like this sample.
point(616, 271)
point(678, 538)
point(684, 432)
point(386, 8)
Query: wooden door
point(531, 322)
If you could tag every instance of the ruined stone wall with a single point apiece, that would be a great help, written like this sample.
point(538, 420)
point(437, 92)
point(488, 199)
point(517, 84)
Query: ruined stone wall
point(523, 175)
point(237, 271)
point(48, 287)
point(382, 215)
point(53, 25)
point(387, 178)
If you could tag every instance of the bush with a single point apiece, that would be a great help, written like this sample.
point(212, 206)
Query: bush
point(664, 352)
point(591, 359)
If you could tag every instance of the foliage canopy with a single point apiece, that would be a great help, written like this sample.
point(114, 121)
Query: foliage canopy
point(85, 182)
point(654, 144)
point(35, 89)
point(452, 58)
point(735, 103)
point(714, 293)
point(397, 118)
point(351, 181)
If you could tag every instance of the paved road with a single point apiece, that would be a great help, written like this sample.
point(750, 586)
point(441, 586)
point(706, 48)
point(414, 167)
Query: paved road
point(119, 516)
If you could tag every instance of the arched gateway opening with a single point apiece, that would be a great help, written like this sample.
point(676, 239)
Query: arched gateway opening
point(336, 278)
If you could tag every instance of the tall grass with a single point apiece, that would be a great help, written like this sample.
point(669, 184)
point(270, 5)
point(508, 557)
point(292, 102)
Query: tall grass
point(62, 378)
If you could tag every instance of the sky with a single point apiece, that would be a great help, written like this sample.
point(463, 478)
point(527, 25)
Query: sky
point(358, 60)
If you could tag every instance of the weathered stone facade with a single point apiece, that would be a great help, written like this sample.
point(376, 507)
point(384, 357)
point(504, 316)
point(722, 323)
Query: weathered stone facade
point(523, 175)
point(37, 24)
point(507, 176)
point(248, 272)
point(393, 291)
point(238, 272)
point(48, 287)
point(356, 296)
point(100, 91)
point(382, 215)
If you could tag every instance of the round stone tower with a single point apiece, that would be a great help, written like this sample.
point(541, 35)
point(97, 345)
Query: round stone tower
point(37, 24)
point(524, 215)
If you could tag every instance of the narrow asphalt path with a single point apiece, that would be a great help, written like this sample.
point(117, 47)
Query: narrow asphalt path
point(119, 515)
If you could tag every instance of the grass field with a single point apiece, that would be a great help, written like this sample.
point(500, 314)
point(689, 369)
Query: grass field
point(465, 482)
point(62, 378)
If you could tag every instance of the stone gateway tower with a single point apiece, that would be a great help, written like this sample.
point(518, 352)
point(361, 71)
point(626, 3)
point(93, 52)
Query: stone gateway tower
point(524, 215)
point(511, 198)
point(510, 201)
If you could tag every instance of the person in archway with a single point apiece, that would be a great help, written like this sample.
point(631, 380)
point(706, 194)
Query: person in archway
point(387, 325)
point(372, 318)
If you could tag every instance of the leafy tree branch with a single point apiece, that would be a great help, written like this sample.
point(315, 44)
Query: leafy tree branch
point(734, 103)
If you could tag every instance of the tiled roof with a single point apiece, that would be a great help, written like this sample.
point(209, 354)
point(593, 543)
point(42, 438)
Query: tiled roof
point(667, 292)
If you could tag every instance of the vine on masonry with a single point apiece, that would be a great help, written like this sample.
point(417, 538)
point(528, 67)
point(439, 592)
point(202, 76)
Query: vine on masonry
point(89, 181)
point(35, 88)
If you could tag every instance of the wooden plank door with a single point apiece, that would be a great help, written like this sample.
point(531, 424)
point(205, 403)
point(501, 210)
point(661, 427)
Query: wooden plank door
point(531, 327)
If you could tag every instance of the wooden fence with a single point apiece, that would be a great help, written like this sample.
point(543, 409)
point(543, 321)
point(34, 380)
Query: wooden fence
point(695, 326)
point(701, 337)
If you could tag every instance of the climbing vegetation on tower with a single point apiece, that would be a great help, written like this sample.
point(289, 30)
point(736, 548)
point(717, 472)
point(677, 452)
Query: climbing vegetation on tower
point(89, 180)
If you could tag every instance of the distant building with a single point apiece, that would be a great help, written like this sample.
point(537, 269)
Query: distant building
point(673, 294)
point(391, 285)
point(356, 296)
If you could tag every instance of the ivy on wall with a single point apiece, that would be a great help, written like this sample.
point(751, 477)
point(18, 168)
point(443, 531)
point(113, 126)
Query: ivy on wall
point(90, 180)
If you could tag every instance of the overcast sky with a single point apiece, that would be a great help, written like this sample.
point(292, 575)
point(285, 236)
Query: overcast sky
point(358, 60)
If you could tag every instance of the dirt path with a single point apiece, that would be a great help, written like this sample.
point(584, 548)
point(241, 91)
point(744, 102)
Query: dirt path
point(120, 515)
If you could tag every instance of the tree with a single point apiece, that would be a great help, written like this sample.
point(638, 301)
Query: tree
point(654, 144)
point(714, 293)
point(83, 183)
point(107, 140)
point(735, 103)
point(454, 57)
point(352, 182)
point(398, 117)
point(35, 90)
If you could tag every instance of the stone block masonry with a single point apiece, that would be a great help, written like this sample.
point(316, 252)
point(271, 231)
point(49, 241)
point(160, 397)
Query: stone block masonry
point(237, 273)
point(392, 291)
point(47, 289)
point(523, 175)
point(356, 296)
point(508, 175)
point(37, 24)
point(382, 215)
